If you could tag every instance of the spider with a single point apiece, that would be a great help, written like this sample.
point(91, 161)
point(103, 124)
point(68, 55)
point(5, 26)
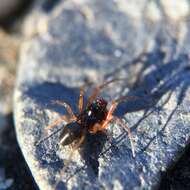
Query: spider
point(92, 118)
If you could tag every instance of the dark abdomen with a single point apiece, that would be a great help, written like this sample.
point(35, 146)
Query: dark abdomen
point(70, 133)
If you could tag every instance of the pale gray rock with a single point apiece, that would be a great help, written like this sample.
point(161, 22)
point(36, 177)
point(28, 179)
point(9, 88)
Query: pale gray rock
point(95, 41)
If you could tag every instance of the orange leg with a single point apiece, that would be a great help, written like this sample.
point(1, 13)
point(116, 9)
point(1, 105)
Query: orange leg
point(56, 122)
point(98, 89)
point(99, 127)
point(110, 114)
point(67, 107)
point(120, 122)
point(80, 104)
point(59, 120)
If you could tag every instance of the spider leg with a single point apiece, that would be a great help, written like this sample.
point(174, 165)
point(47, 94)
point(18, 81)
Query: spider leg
point(101, 126)
point(47, 137)
point(67, 107)
point(109, 116)
point(96, 91)
point(57, 121)
point(95, 128)
point(81, 140)
point(81, 99)
point(120, 122)
point(74, 148)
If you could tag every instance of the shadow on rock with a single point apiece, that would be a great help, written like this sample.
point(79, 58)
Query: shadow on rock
point(155, 79)
point(44, 94)
point(91, 151)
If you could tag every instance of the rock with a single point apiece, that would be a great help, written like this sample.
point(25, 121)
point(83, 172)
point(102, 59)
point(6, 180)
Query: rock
point(177, 10)
point(96, 41)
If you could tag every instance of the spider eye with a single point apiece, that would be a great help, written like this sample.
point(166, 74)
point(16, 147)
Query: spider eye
point(96, 105)
point(101, 102)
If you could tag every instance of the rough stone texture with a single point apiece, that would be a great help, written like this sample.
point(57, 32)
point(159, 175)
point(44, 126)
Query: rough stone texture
point(94, 41)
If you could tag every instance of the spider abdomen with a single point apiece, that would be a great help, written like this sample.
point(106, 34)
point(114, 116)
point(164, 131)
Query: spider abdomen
point(70, 133)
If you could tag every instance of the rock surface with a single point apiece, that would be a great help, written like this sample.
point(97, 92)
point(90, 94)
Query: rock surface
point(95, 41)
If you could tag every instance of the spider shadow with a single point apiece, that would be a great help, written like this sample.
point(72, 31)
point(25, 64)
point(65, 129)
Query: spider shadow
point(151, 87)
point(164, 79)
point(90, 152)
point(43, 94)
point(48, 6)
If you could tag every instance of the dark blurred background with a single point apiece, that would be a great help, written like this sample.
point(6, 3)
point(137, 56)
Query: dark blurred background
point(14, 173)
